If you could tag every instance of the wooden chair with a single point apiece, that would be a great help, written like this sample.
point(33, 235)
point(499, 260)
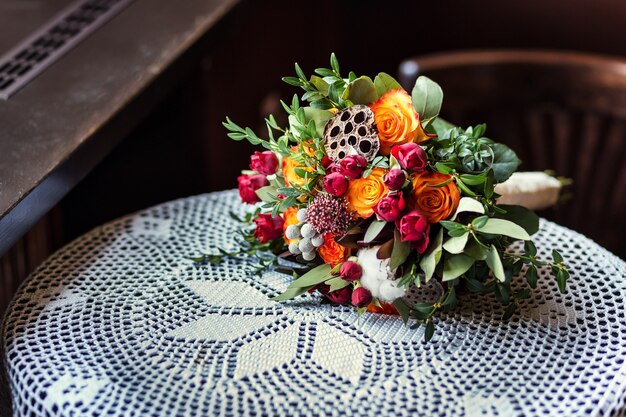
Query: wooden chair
point(559, 111)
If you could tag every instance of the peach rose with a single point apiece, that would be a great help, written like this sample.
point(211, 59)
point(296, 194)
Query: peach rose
point(436, 203)
point(397, 121)
point(290, 218)
point(364, 193)
point(332, 252)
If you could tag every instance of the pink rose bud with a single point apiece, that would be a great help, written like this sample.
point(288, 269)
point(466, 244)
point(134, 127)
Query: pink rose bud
point(414, 228)
point(394, 179)
point(390, 207)
point(350, 271)
point(411, 156)
point(335, 184)
point(361, 297)
point(341, 296)
point(264, 162)
point(352, 166)
point(268, 227)
point(248, 184)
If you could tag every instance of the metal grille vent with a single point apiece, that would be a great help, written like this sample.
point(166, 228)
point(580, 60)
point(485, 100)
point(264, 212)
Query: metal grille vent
point(51, 41)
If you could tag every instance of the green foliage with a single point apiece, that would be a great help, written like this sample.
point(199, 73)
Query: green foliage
point(427, 99)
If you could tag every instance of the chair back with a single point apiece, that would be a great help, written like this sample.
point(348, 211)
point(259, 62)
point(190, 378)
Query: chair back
point(559, 111)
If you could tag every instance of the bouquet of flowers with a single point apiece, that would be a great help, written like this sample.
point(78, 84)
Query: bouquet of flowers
point(376, 194)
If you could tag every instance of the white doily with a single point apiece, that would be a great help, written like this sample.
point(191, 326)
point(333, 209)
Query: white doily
point(120, 323)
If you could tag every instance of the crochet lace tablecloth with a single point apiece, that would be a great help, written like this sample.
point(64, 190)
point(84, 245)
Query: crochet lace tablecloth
point(120, 322)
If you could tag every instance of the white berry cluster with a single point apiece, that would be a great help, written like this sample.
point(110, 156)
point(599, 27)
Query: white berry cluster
point(305, 239)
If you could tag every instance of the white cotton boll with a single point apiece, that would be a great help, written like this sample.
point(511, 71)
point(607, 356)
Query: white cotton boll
point(292, 232)
point(377, 277)
point(301, 215)
point(317, 241)
point(307, 230)
point(534, 190)
point(308, 256)
point(305, 245)
point(293, 248)
point(389, 291)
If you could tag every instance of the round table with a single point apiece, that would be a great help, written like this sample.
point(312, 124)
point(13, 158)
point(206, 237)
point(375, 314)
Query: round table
point(122, 323)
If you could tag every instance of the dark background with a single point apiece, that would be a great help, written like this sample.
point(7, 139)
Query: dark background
point(181, 148)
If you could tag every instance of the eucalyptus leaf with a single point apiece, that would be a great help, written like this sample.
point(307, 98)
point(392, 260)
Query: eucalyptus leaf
point(504, 227)
point(468, 204)
point(479, 222)
point(495, 263)
point(385, 82)
point(505, 162)
point(520, 215)
point(476, 251)
point(432, 256)
point(362, 91)
point(267, 193)
point(442, 127)
point(292, 292)
point(427, 98)
point(430, 331)
point(456, 244)
point(319, 116)
point(374, 230)
point(456, 265)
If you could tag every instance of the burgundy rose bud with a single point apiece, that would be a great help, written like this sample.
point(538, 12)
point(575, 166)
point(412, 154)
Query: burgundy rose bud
point(414, 228)
point(341, 296)
point(248, 184)
point(350, 271)
point(326, 161)
point(352, 166)
point(332, 167)
point(335, 184)
point(361, 297)
point(264, 162)
point(411, 156)
point(268, 227)
point(390, 207)
point(394, 179)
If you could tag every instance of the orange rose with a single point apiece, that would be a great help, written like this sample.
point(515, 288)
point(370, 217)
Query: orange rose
point(436, 203)
point(385, 308)
point(290, 218)
point(289, 169)
point(363, 193)
point(397, 121)
point(332, 252)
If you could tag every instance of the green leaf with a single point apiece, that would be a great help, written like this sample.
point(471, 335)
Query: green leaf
point(402, 308)
point(429, 332)
point(561, 279)
point(522, 216)
point(385, 82)
point(476, 251)
point(471, 179)
point(291, 293)
point(315, 276)
point(556, 256)
point(319, 116)
point(531, 276)
point(468, 204)
point(505, 162)
point(456, 244)
point(504, 227)
point(432, 256)
point(267, 194)
point(400, 252)
point(362, 91)
point(530, 248)
point(450, 300)
point(336, 283)
point(479, 222)
point(427, 98)
point(495, 263)
point(456, 265)
point(509, 311)
point(334, 63)
point(442, 127)
point(374, 230)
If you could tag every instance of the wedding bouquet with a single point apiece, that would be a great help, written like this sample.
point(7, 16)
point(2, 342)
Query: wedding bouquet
point(376, 194)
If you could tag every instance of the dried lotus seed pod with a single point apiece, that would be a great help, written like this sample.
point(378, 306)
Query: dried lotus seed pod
point(351, 131)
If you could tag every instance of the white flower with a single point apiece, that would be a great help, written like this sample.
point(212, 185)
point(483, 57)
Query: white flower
point(377, 277)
